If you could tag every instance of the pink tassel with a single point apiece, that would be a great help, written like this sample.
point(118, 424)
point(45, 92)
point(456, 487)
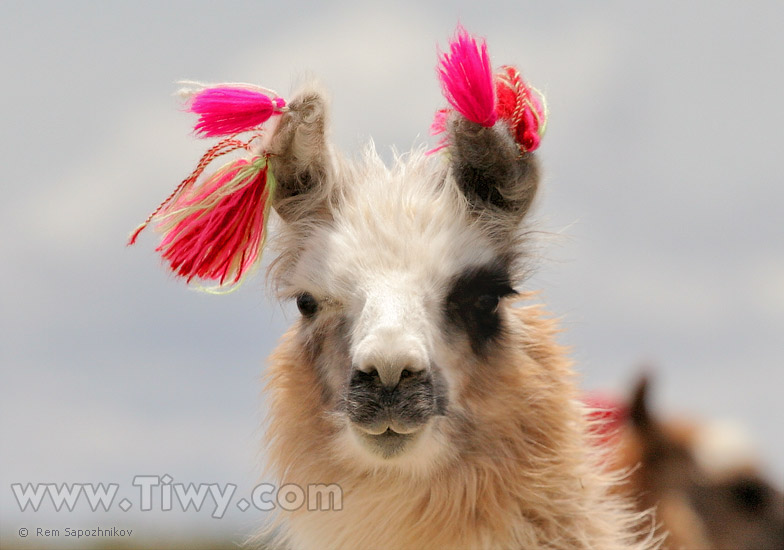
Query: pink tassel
point(228, 110)
point(216, 232)
point(471, 89)
point(467, 79)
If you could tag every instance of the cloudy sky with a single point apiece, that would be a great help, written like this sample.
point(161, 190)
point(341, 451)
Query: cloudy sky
point(660, 216)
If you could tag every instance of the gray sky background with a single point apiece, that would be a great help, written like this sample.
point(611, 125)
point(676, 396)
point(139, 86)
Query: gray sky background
point(661, 215)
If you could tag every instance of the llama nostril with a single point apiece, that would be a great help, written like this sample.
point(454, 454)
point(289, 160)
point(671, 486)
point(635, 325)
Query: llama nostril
point(388, 376)
point(372, 372)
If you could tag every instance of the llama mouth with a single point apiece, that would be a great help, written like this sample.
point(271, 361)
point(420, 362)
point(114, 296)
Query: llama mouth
point(388, 427)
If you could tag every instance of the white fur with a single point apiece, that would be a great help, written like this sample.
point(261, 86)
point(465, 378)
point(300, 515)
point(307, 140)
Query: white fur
point(721, 448)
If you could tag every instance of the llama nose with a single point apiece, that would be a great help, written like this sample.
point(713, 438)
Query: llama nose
point(389, 374)
point(391, 359)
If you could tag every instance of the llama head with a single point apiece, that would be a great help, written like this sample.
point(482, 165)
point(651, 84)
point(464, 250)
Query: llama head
point(402, 274)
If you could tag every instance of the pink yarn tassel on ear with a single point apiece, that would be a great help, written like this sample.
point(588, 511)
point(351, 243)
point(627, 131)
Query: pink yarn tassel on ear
point(467, 79)
point(216, 232)
point(472, 90)
point(214, 228)
point(229, 110)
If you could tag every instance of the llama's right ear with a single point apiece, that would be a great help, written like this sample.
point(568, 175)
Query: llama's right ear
point(300, 157)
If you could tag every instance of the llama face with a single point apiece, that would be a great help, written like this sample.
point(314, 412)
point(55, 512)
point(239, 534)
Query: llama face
point(400, 274)
point(398, 280)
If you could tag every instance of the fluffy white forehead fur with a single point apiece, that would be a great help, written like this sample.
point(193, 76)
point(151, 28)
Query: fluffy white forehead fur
point(404, 228)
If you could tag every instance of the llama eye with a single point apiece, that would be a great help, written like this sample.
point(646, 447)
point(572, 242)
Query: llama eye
point(486, 303)
point(307, 304)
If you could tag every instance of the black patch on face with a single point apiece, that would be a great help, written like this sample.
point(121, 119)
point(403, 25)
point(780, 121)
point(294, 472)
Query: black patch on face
point(471, 304)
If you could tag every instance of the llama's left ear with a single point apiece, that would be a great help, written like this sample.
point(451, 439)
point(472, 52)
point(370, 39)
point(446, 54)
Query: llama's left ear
point(490, 169)
point(299, 156)
point(495, 123)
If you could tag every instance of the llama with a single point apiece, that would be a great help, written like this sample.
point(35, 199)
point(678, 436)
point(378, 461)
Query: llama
point(449, 417)
point(702, 477)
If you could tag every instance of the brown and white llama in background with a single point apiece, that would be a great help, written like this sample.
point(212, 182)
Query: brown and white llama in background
point(448, 416)
point(703, 478)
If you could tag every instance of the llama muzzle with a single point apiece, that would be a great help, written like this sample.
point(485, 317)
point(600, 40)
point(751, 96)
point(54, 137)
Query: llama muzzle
point(388, 418)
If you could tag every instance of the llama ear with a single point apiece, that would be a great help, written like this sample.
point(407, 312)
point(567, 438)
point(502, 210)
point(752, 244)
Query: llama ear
point(495, 123)
point(300, 157)
point(652, 439)
point(639, 410)
point(490, 169)
point(640, 415)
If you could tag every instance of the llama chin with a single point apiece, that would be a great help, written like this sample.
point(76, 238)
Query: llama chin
point(416, 453)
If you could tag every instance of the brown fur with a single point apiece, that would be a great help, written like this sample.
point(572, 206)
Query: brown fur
point(521, 474)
